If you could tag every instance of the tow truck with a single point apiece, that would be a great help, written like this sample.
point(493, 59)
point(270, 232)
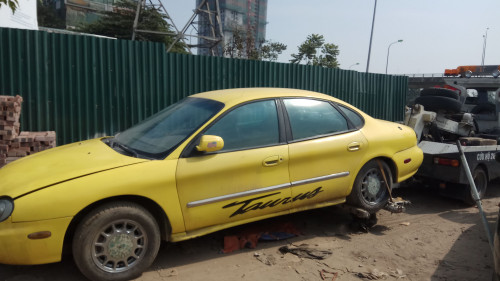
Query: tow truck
point(456, 108)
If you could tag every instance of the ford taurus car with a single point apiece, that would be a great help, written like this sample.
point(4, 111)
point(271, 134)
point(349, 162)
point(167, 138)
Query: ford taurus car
point(211, 161)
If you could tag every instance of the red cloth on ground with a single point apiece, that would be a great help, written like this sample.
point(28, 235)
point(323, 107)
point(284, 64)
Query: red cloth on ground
point(249, 237)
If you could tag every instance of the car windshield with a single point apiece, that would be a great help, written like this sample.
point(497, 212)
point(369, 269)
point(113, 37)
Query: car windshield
point(158, 135)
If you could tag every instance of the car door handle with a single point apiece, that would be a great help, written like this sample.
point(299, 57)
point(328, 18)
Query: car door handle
point(354, 146)
point(272, 160)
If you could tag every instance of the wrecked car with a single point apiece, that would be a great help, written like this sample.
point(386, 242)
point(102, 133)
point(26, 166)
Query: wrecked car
point(211, 161)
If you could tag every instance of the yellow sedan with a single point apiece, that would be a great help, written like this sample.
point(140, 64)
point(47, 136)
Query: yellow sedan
point(211, 161)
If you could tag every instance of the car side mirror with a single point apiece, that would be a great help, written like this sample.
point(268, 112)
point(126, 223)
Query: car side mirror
point(209, 143)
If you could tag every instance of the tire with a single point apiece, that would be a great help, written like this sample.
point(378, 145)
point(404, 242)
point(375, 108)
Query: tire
point(439, 92)
point(101, 237)
point(434, 103)
point(481, 182)
point(369, 191)
point(484, 108)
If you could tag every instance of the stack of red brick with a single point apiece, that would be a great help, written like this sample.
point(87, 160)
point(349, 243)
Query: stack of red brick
point(13, 144)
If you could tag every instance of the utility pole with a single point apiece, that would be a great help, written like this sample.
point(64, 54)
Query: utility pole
point(485, 37)
point(371, 37)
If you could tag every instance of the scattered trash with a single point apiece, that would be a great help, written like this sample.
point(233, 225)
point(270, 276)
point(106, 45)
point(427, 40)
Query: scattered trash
point(398, 273)
point(323, 274)
point(405, 223)
point(374, 274)
point(265, 259)
point(304, 251)
point(275, 236)
point(249, 237)
point(168, 273)
point(363, 224)
point(397, 205)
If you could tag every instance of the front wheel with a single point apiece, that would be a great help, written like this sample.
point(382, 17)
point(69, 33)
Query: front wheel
point(369, 191)
point(116, 241)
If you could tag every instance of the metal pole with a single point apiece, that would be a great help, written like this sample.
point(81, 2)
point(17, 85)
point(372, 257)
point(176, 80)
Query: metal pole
point(484, 47)
point(371, 37)
point(136, 19)
point(475, 194)
point(388, 49)
point(221, 32)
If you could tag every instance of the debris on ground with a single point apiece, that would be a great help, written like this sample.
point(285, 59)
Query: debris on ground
point(397, 205)
point(374, 274)
point(249, 237)
point(265, 258)
point(324, 274)
point(169, 273)
point(398, 273)
point(304, 251)
point(363, 224)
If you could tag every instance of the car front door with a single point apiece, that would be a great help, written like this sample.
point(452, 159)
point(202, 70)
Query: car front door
point(248, 178)
point(325, 150)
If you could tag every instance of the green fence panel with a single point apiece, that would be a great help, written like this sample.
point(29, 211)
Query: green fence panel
point(84, 87)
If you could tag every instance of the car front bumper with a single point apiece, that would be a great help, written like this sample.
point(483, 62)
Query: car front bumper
point(17, 248)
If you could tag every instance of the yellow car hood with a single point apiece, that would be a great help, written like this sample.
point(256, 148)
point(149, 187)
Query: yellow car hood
point(59, 164)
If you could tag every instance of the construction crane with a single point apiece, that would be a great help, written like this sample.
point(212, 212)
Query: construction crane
point(204, 12)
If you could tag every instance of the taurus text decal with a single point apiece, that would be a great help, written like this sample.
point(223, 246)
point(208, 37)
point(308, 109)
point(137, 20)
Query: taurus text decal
point(256, 203)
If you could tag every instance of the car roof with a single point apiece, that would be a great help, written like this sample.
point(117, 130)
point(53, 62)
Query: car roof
point(235, 96)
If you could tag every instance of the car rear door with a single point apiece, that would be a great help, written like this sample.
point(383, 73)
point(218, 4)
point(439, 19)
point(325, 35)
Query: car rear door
point(248, 178)
point(325, 151)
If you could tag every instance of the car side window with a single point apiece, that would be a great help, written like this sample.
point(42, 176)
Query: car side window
point(310, 118)
point(355, 118)
point(250, 125)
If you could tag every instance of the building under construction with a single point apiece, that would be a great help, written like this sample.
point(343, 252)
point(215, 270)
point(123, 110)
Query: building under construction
point(245, 16)
point(85, 11)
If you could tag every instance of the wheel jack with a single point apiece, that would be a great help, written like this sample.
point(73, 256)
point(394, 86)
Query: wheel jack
point(395, 205)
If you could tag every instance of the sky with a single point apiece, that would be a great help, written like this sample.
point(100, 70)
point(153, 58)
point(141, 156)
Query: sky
point(436, 34)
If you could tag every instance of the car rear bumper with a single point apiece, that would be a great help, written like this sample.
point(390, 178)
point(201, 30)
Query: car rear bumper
point(17, 248)
point(408, 161)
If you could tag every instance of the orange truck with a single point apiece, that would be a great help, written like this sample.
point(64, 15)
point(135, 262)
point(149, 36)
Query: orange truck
point(473, 70)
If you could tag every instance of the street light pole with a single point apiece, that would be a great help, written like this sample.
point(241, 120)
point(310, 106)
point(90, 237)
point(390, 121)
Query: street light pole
point(485, 37)
point(371, 37)
point(388, 49)
point(353, 65)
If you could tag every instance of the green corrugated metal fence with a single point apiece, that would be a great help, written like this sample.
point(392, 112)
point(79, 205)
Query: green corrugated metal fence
point(83, 87)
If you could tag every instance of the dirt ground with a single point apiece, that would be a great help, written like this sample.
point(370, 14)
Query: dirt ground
point(436, 239)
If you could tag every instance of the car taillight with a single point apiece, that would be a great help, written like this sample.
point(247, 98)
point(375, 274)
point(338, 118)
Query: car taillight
point(446, 162)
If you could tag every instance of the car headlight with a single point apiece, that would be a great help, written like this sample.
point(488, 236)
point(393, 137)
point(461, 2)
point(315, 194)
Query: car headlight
point(6, 208)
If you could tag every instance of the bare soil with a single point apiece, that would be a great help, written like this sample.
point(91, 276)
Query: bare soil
point(436, 239)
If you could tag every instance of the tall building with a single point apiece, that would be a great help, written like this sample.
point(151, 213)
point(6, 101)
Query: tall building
point(85, 11)
point(249, 17)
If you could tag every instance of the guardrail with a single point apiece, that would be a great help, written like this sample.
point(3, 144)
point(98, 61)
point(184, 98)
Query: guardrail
point(424, 75)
